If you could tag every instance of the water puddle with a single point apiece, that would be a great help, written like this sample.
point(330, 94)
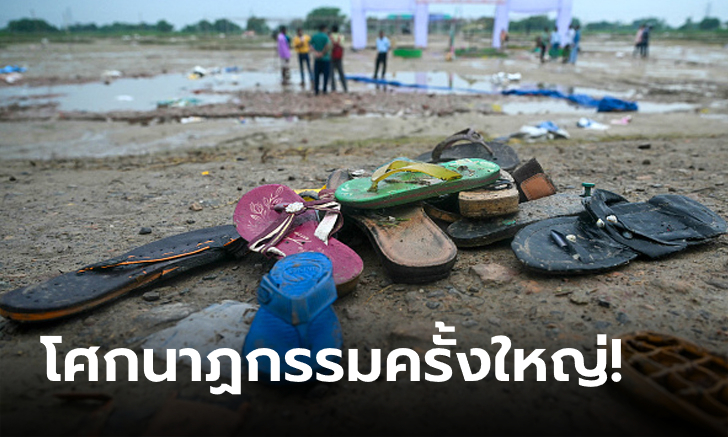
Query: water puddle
point(144, 94)
point(439, 82)
point(141, 94)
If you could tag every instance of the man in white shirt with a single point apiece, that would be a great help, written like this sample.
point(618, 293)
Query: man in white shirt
point(555, 43)
point(383, 46)
point(569, 43)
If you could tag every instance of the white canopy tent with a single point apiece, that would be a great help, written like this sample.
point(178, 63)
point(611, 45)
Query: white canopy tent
point(562, 8)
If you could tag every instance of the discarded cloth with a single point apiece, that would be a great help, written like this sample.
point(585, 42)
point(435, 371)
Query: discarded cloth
point(546, 129)
point(588, 123)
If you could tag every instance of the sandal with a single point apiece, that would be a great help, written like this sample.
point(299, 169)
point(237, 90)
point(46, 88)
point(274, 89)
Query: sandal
point(295, 311)
point(403, 181)
point(477, 233)
point(671, 372)
point(278, 222)
point(410, 246)
point(476, 147)
point(99, 283)
point(607, 236)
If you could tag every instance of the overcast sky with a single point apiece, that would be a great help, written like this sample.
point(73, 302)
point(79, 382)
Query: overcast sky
point(183, 12)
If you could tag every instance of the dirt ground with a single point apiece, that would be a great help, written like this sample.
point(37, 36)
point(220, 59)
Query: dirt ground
point(78, 189)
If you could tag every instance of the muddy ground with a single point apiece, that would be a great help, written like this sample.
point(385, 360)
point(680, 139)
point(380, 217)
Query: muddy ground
point(78, 190)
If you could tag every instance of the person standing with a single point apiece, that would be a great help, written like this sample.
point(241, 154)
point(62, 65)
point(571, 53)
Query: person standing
point(575, 48)
point(555, 43)
point(503, 39)
point(284, 53)
point(321, 45)
point(383, 46)
point(638, 41)
point(645, 49)
point(301, 45)
point(569, 43)
point(543, 43)
point(337, 58)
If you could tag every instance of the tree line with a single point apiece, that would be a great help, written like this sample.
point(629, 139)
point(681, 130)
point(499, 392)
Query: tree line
point(331, 16)
point(27, 26)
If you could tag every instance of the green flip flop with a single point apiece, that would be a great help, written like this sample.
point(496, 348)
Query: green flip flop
point(403, 181)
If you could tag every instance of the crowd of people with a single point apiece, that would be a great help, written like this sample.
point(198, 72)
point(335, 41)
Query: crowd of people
point(551, 43)
point(327, 49)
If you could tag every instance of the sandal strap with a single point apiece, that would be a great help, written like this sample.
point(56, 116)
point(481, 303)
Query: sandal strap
point(468, 134)
point(266, 241)
point(604, 217)
point(434, 170)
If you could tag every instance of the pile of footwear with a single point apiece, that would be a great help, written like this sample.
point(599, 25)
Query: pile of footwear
point(465, 193)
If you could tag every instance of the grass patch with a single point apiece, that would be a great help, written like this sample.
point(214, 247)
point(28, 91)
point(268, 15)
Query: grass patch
point(474, 52)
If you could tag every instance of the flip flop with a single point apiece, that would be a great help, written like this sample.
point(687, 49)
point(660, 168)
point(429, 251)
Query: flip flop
point(295, 312)
point(99, 283)
point(497, 199)
point(673, 373)
point(403, 181)
point(539, 202)
point(278, 222)
point(605, 237)
point(477, 233)
point(475, 147)
point(410, 246)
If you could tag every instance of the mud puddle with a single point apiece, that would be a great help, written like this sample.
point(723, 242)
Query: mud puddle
point(141, 94)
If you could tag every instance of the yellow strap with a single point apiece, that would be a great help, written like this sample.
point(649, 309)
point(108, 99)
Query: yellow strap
point(433, 170)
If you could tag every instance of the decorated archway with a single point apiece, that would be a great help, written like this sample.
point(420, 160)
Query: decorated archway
point(562, 8)
point(420, 9)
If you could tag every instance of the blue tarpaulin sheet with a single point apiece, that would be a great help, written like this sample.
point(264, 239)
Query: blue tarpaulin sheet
point(395, 83)
point(605, 104)
point(12, 69)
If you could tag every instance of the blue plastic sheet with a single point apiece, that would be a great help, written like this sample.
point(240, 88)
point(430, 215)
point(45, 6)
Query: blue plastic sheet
point(398, 84)
point(12, 69)
point(610, 104)
point(606, 104)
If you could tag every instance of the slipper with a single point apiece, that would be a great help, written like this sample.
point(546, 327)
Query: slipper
point(494, 200)
point(295, 311)
point(410, 246)
point(497, 199)
point(673, 373)
point(477, 233)
point(99, 283)
point(278, 222)
point(403, 181)
point(443, 208)
point(605, 237)
point(527, 182)
point(476, 147)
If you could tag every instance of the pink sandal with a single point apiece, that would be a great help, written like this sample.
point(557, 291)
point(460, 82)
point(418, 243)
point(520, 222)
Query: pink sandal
point(278, 222)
